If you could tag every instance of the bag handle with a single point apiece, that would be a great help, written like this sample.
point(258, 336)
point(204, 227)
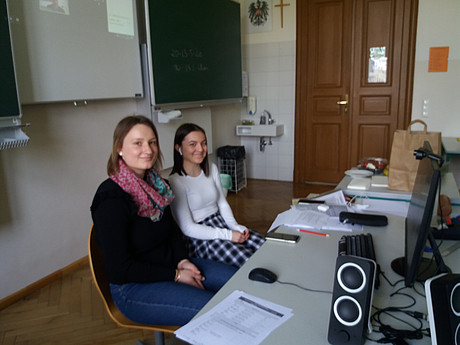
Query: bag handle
point(416, 121)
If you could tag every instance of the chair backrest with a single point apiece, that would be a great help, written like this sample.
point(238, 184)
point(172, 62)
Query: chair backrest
point(96, 263)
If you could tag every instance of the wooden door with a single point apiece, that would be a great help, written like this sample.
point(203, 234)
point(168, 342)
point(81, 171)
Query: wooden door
point(354, 82)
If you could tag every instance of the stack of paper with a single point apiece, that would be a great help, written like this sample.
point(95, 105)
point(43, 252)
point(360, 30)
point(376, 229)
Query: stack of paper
point(238, 319)
point(308, 216)
point(379, 181)
point(360, 183)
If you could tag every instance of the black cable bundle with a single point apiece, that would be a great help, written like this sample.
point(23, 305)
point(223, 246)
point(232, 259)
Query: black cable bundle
point(397, 336)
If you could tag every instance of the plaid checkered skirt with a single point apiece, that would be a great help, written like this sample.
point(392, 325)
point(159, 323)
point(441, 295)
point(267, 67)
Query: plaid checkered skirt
point(225, 251)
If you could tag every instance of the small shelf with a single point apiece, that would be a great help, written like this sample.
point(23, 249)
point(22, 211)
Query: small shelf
point(12, 137)
point(260, 130)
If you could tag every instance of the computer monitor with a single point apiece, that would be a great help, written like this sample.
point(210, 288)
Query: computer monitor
point(413, 267)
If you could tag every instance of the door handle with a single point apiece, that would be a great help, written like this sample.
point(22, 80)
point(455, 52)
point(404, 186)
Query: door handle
point(345, 103)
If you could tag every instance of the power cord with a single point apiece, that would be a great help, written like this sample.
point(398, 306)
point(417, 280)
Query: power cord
point(398, 336)
point(304, 288)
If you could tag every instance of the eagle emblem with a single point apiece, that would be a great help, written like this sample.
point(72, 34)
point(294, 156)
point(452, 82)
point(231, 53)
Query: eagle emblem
point(258, 12)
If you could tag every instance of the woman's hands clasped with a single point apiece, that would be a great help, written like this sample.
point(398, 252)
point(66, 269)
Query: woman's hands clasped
point(240, 237)
point(190, 274)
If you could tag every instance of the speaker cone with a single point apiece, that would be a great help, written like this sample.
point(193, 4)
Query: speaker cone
point(351, 277)
point(347, 311)
point(455, 299)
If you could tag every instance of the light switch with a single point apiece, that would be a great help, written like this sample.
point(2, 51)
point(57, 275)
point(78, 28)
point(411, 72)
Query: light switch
point(425, 107)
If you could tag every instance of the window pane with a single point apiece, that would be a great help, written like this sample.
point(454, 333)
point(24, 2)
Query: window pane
point(377, 65)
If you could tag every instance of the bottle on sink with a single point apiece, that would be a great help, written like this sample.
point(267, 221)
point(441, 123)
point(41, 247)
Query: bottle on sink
point(263, 119)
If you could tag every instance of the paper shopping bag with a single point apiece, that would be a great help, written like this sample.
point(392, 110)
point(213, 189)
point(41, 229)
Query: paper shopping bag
point(403, 165)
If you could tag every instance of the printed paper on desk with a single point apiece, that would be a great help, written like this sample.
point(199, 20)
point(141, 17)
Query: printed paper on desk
point(334, 223)
point(332, 210)
point(333, 198)
point(238, 319)
point(300, 219)
point(304, 216)
point(395, 207)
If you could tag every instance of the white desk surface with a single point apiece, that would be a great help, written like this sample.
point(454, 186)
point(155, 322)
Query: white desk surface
point(311, 264)
point(448, 187)
point(452, 151)
point(451, 145)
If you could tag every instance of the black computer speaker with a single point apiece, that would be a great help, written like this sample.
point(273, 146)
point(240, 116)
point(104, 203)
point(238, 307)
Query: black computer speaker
point(443, 302)
point(351, 300)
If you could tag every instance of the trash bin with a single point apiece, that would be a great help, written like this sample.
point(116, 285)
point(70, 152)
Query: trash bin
point(226, 181)
point(231, 161)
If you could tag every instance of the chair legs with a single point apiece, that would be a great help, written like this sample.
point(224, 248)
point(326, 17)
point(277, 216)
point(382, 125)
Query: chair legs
point(159, 338)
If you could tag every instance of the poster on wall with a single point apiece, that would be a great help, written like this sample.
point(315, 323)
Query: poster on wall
point(439, 58)
point(258, 16)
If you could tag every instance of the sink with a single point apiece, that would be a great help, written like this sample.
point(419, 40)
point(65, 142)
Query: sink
point(260, 130)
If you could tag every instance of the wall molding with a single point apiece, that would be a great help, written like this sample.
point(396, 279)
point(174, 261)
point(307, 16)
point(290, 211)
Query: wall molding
point(9, 300)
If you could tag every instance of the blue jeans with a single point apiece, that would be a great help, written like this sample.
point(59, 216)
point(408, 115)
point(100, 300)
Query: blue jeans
point(167, 302)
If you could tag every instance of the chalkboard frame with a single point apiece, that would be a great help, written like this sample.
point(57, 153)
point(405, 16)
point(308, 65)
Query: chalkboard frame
point(10, 108)
point(194, 52)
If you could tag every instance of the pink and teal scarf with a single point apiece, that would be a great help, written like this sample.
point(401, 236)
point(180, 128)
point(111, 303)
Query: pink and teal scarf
point(151, 194)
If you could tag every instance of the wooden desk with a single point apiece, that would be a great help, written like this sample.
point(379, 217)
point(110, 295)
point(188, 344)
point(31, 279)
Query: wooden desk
point(311, 264)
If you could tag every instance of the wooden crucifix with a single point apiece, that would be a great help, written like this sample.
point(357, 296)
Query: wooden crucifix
point(281, 5)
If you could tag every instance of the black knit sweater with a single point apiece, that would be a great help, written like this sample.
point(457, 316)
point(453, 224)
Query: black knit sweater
point(136, 250)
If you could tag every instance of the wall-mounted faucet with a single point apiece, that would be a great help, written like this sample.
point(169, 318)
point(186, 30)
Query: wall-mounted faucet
point(263, 143)
point(270, 120)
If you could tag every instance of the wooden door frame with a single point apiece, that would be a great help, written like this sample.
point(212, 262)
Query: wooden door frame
point(407, 83)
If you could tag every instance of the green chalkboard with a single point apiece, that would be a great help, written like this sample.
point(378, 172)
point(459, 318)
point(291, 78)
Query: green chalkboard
point(9, 103)
point(196, 50)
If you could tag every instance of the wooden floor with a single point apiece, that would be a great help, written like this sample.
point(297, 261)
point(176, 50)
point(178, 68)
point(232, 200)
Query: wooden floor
point(69, 310)
point(257, 205)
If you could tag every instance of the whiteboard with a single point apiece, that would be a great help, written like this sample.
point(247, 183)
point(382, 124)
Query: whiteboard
point(80, 50)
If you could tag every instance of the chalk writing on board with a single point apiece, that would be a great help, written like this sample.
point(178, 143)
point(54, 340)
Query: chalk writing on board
point(186, 53)
point(199, 60)
point(190, 67)
point(183, 64)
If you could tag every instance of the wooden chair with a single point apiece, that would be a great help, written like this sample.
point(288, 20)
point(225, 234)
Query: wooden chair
point(96, 263)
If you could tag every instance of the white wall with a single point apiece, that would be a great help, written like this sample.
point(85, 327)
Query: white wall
point(271, 71)
point(269, 60)
point(47, 188)
point(438, 26)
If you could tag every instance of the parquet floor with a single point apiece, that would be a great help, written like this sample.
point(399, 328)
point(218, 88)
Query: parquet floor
point(69, 310)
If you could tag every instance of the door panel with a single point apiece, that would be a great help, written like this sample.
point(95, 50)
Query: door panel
point(378, 39)
point(372, 140)
point(328, 57)
point(360, 49)
point(329, 21)
point(332, 132)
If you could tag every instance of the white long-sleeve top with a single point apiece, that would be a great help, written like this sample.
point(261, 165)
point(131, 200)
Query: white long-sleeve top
point(198, 198)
